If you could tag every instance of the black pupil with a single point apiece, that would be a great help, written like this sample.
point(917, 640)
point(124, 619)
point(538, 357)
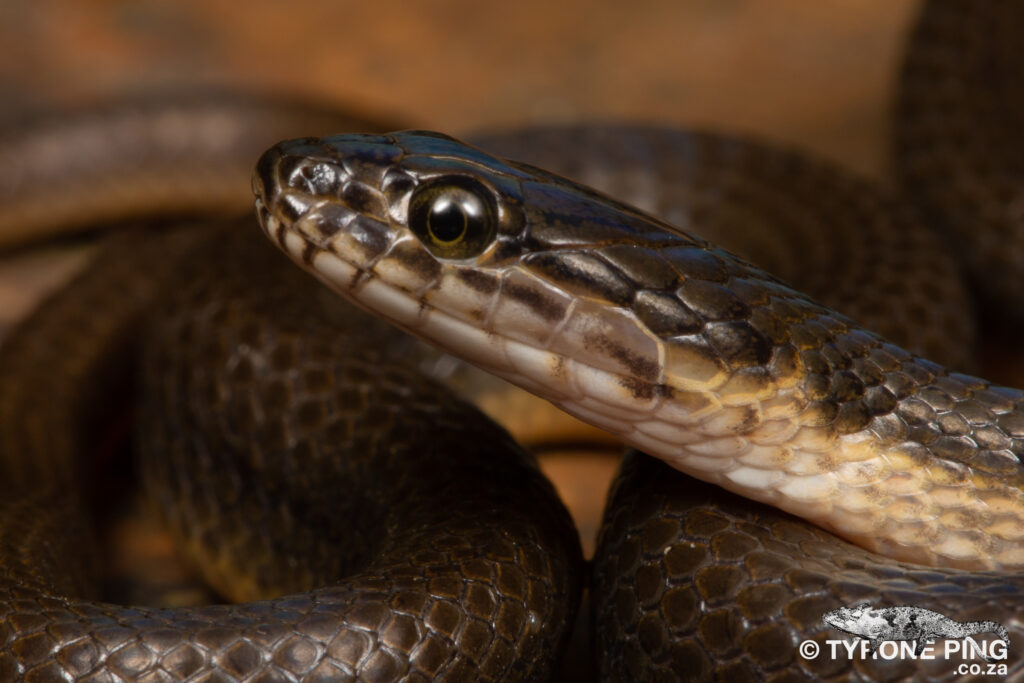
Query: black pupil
point(447, 220)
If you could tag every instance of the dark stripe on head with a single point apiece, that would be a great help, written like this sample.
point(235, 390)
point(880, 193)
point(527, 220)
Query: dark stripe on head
point(548, 308)
point(640, 367)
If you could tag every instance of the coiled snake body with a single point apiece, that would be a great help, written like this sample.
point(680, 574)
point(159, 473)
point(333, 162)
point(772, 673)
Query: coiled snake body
point(679, 347)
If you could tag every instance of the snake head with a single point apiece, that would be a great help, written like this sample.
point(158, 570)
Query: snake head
point(462, 248)
point(369, 200)
point(399, 224)
point(602, 309)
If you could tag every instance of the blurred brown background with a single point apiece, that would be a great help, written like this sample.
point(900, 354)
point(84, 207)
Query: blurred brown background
point(816, 74)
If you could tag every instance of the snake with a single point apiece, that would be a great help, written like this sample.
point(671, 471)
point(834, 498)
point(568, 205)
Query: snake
point(689, 353)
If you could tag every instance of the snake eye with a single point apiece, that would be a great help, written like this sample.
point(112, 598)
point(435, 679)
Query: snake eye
point(454, 217)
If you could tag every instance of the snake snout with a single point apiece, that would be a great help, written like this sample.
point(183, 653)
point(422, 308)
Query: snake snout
point(315, 208)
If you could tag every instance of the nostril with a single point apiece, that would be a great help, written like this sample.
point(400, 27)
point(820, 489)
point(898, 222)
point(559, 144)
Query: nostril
point(319, 179)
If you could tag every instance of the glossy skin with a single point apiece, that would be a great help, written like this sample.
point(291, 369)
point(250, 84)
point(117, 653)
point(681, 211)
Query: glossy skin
point(367, 250)
point(249, 382)
point(676, 346)
point(695, 584)
point(727, 589)
point(842, 239)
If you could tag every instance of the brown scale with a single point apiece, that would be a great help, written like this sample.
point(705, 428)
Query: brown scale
point(734, 558)
point(412, 564)
point(748, 319)
point(694, 584)
point(846, 242)
point(740, 316)
point(856, 379)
